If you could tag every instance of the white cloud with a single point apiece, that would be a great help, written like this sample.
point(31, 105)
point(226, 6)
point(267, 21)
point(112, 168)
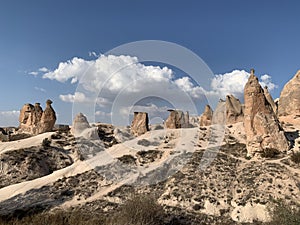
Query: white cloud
point(43, 70)
point(123, 80)
point(74, 68)
point(9, 118)
point(40, 89)
point(230, 83)
point(266, 80)
point(93, 54)
point(77, 97)
point(34, 73)
point(234, 83)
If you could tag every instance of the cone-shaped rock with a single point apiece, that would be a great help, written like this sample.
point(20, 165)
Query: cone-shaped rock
point(80, 123)
point(261, 124)
point(289, 101)
point(206, 117)
point(139, 123)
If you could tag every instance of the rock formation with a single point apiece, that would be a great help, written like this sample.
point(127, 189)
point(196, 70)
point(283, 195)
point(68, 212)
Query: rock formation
point(177, 119)
point(80, 123)
point(270, 99)
point(262, 127)
point(48, 118)
point(230, 111)
point(206, 117)
point(34, 120)
point(139, 123)
point(28, 122)
point(289, 101)
point(234, 110)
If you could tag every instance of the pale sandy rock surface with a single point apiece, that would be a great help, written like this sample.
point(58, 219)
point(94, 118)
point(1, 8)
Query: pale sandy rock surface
point(289, 101)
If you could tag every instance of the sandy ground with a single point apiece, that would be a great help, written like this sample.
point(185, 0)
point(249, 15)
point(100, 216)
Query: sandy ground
point(24, 143)
point(184, 139)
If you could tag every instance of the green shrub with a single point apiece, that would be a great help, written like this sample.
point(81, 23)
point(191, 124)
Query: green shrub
point(139, 210)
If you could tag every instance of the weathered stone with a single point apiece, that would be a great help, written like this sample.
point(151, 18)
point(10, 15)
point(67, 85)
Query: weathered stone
point(48, 118)
point(34, 120)
point(206, 117)
point(234, 110)
point(230, 111)
point(27, 119)
point(270, 99)
point(289, 101)
point(262, 127)
point(176, 119)
point(139, 123)
point(38, 113)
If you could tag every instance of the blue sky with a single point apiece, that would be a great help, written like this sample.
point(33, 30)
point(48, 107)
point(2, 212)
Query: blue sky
point(227, 35)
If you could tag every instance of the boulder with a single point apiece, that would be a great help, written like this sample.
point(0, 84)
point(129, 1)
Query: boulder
point(177, 119)
point(206, 117)
point(263, 130)
point(289, 101)
point(139, 123)
point(80, 123)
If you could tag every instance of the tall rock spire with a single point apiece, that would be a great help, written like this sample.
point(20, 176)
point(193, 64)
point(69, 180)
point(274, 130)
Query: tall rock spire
point(262, 127)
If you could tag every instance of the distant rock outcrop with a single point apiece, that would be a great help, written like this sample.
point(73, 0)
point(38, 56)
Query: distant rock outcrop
point(289, 101)
point(177, 119)
point(206, 117)
point(80, 123)
point(34, 120)
point(234, 110)
point(230, 111)
point(262, 127)
point(139, 123)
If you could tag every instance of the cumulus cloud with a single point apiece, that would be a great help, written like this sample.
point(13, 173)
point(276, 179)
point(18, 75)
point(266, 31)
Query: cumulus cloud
point(34, 73)
point(115, 74)
point(9, 118)
point(234, 83)
point(77, 97)
point(43, 69)
point(118, 82)
point(266, 80)
point(74, 69)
